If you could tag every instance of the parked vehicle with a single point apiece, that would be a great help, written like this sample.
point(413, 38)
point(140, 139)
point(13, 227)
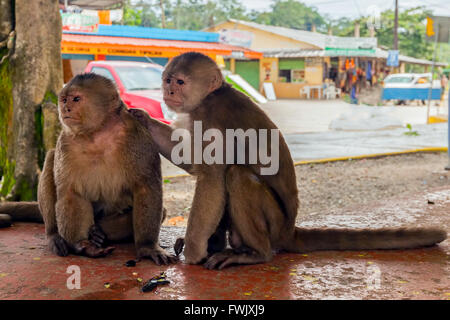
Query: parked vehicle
point(139, 85)
point(410, 86)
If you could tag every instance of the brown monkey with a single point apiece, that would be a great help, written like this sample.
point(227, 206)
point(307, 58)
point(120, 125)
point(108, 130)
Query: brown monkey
point(103, 180)
point(257, 210)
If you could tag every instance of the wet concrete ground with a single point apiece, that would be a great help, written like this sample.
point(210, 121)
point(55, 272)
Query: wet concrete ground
point(29, 271)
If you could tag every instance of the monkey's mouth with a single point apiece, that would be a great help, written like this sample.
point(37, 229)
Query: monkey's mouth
point(173, 103)
point(70, 119)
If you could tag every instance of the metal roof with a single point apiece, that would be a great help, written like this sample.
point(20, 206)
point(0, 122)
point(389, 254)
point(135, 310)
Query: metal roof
point(302, 53)
point(314, 38)
point(151, 33)
point(292, 53)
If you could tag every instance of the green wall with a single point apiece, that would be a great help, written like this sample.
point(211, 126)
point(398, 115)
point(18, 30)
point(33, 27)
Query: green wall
point(288, 64)
point(249, 70)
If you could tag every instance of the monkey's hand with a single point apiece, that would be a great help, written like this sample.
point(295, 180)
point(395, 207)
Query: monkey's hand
point(90, 249)
point(58, 245)
point(157, 254)
point(141, 116)
point(179, 245)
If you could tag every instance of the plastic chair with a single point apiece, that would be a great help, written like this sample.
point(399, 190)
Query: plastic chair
point(305, 91)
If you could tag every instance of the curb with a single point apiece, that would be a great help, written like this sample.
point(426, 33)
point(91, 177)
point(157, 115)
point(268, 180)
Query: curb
point(365, 156)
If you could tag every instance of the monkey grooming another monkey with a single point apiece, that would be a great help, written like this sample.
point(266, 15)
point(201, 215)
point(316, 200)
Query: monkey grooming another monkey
point(103, 180)
point(257, 210)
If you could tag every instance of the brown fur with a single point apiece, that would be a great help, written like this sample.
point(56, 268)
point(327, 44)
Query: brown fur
point(103, 178)
point(258, 211)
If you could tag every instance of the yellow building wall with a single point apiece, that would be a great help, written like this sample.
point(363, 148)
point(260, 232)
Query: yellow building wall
point(269, 70)
point(263, 39)
point(269, 66)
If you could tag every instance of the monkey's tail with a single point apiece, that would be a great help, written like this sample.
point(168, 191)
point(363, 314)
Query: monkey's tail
point(307, 240)
point(22, 211)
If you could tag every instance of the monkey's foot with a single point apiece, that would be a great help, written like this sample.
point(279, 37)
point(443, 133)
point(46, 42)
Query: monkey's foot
point(227, 257)
point(179, 245)
point(58, 245)
point(97, 236)
point(89, 249)
point(158, 255)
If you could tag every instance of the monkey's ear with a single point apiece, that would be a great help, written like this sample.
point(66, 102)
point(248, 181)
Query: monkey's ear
point(216, 82)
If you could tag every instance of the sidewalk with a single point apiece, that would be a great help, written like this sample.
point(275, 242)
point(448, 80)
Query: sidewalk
point(29, 271)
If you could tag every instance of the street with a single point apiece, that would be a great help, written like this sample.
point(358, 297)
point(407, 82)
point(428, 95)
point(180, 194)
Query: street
point(362, 130)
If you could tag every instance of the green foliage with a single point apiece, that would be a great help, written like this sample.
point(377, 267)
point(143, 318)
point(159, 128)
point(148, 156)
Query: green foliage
point(39, 135)
point(7, 182)
point(410, 132)
point(292, 14)
point(140, 14)
point(6, 105)
point(181, 14)
point(411, 31)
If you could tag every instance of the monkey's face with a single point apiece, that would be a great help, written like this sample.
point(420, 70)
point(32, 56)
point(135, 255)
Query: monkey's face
point(75, 111)
point(188, 79)
point(180, 92)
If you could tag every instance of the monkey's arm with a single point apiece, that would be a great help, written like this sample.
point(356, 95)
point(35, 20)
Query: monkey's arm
point(147, 218)
point(75, 220)
point(47, 194)
point(161, 135)
point(206, 212)
point(47, 202)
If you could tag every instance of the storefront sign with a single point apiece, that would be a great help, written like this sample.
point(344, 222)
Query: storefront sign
point(236, 37)
point(350, 46)
point(392, 59)
point(116, 51)
point(79, 22)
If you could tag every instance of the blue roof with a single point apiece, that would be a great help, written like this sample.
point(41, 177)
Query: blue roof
point(152, 33)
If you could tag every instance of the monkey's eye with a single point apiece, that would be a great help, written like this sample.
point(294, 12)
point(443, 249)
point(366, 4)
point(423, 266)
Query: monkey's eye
point(180, 82)
point(76, 99)
point(167, 80)
point(64, 100)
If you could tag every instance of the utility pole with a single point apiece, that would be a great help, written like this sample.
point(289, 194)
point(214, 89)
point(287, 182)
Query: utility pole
point(163, 17)
point(396, 26)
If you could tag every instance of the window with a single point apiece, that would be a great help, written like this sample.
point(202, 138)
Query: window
point(284, 75)
point(103, 72)
point(140, 78)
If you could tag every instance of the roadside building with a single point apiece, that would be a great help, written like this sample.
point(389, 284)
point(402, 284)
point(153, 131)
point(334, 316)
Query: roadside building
point(296, 59)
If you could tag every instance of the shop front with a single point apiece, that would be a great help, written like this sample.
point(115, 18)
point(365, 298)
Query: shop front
point(125, 43)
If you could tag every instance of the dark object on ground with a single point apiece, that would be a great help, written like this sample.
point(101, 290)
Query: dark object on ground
point(5, 220)
point(130, 263)
point(151, 284)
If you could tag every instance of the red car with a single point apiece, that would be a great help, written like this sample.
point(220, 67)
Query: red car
point(139, 85)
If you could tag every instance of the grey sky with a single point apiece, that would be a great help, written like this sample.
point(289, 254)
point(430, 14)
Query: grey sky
point(355, 8)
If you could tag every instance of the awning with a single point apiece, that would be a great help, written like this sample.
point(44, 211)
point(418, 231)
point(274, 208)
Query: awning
point(94, 4)
point(138, 47)
point(303, 53)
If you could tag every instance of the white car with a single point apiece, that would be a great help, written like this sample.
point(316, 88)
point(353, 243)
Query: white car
point(410, 86)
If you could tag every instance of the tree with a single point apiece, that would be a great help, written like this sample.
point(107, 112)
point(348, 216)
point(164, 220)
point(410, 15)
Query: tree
point(181, 14)
point(292, 14)
point(411, 32)
point(140, 14)
point(30, 78)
